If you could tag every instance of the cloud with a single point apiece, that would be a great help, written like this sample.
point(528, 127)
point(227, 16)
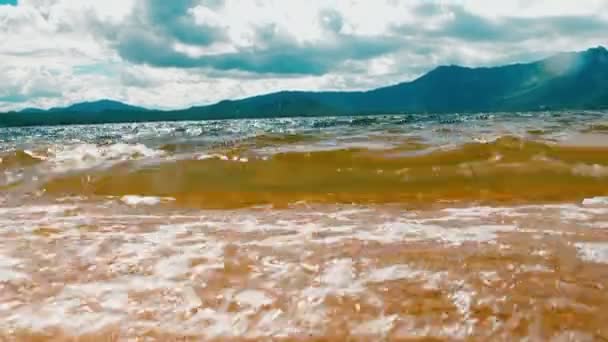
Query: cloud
point(331, 20)
point(174, 20)
point(24, 84)
point(164, 53)
point(456, 22)
point(153, 41)
point(279, 55)
point(167, 34)
point(149, 34)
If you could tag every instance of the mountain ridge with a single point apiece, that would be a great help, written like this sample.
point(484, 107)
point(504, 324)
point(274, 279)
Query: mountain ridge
point(96, 106)
point(570, 80)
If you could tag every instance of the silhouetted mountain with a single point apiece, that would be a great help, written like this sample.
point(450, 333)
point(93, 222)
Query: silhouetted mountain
point(564, 81)
point(90, 107)
point(32, 110)
point(568, 80)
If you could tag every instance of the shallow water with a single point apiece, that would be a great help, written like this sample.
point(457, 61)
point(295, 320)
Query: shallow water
point(483, 227)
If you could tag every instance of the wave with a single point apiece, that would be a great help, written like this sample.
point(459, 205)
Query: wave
point(506, 170)
point(87, 156)
point(601, 127)
point(27, 166)
point(327, 123)
point(19, 159)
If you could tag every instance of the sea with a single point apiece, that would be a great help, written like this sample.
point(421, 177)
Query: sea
point(489, 227)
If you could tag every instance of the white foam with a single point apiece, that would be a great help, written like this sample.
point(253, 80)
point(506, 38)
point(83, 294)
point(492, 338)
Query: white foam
point(10, 306)
point(476, 212)
point(146, 256)
point(206, 156)
point(272, 324)
point(595, 201)
point(398, 229)
point(7, 270)
point(173, 267)
point(535, 268)
point(222, 157)
point(337, 278)
point(377, 327)
point(89, 252)
point(222, 324)
point(191, 299)
point(541, 253)
point(12, 177)
point(452, 236)
point(120, 284)
point(574, 213)
point(134, 200)
point(482, 233)
point(65, 311)
point(594, 170)
point(452, 331)
point(462, 300)
point(85, 156)
point(49, 210)
point(253, 298)
point(115, 301)
point(339, 273)
point(593, 251)
point(394, 272)
point(34, 155)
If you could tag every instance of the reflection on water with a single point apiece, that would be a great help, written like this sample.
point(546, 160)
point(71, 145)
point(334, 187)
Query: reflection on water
point(483, 227)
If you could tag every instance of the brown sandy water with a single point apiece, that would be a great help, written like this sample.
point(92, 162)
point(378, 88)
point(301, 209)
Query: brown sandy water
point(509, 170)
point(480, 231)
point(308, 272)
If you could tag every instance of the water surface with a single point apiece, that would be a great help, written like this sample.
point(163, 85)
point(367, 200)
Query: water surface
point(449, 227)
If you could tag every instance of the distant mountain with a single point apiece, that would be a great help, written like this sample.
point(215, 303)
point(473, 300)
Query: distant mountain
point(90, 107)
point(564, 81)
point(32, 110)
point(568, 80)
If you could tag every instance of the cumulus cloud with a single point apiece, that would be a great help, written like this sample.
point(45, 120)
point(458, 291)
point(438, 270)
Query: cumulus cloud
point(161, 25)
point(456, 22)
point(165, 53)
point(281, 55)
point(22, 84)
point(168, 22)
point(331, 20)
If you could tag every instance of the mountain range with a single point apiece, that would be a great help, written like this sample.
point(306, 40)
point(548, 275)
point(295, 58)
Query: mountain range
point(90, 107)
point(573, 80)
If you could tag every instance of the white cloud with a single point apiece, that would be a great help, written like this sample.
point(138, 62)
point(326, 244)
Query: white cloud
point(56, 52)
point(536, 8)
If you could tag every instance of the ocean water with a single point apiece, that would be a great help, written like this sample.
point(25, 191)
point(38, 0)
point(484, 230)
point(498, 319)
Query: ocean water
point(448, 227)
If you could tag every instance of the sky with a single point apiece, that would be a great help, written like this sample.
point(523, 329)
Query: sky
point(178, 53)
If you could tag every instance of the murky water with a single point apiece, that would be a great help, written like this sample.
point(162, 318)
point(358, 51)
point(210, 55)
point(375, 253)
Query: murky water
point(455, 227)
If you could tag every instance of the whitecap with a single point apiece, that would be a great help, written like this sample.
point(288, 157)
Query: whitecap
point(134, 200)
point(86, 156)
point(596, 201)
point(593, 251)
